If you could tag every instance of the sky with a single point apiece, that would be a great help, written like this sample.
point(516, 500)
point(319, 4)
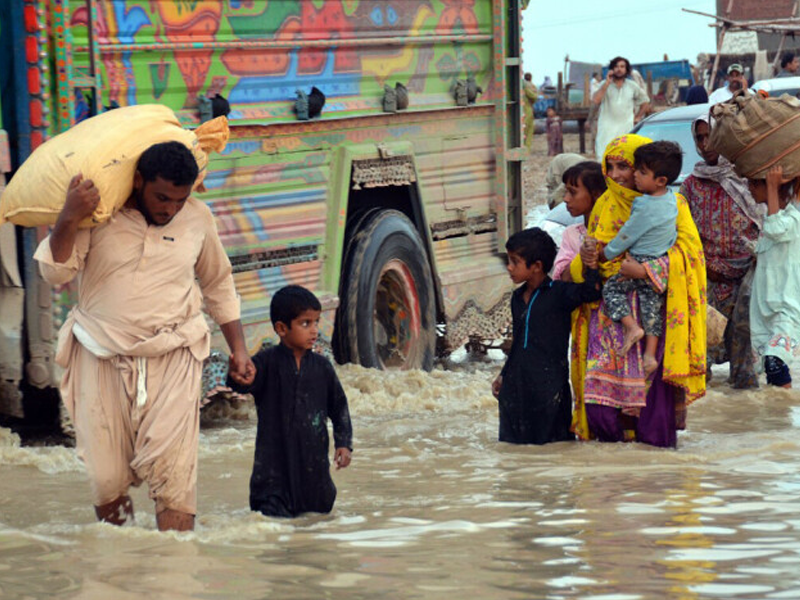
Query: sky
point(598, 30)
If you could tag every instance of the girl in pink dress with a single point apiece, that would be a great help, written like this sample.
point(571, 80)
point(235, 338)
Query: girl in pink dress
point(584, 183)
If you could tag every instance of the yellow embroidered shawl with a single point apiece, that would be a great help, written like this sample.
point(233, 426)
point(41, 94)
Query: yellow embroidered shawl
point(685, 324)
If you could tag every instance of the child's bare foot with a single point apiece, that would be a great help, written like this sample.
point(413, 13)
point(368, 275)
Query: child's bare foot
point(632, 335)
point(650, 364)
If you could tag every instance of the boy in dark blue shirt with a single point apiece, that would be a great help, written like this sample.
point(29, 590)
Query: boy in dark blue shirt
point(533, 388)
point(296, 391)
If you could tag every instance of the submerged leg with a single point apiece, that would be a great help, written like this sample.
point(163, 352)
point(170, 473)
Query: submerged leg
point(777, 372)
point(116, 512)
point(174, 520)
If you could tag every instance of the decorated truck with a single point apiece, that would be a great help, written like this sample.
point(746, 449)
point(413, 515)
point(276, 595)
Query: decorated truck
point(396, 217)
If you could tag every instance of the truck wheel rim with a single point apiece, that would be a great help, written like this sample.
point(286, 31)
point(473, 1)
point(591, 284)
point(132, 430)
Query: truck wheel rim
point(397, 316)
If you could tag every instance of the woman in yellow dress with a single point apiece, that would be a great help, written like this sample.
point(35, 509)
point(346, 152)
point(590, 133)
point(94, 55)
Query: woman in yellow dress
point(613, 400)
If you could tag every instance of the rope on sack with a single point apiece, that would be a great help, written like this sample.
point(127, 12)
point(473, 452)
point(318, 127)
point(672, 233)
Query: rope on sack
point(769, 163)
point(763, 136)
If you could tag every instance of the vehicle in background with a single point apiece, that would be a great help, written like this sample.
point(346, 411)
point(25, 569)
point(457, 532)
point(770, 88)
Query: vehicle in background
point(396, 220)
point(675, 125)
point(778, 86)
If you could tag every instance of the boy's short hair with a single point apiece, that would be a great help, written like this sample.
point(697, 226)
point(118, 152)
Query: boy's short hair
point(663, 158)
point(533, 245)
point(172, 161)
point(590, 174)
point(288, 302)
point(787, 58)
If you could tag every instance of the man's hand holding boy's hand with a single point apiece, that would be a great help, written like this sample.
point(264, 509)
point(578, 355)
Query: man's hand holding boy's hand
point(241, 369)
point(342, 458)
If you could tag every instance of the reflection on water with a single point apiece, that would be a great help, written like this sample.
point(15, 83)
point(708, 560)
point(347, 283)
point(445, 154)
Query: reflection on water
point(434, 507)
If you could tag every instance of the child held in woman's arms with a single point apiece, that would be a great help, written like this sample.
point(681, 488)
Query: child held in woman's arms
point(296, 391)
point(533, 390)
point(775, 301)
point(649, 233)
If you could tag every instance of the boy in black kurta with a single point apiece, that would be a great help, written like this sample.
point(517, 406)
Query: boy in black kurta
point(533, 387)
point(296, 391)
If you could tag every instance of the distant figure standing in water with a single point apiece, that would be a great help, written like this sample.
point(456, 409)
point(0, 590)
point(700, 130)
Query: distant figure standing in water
point(533, 388)
point(296, 391)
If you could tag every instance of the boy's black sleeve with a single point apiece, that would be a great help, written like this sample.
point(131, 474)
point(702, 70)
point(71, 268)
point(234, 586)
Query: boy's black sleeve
point(338, 412)
point(575, 294)
point(260, 362)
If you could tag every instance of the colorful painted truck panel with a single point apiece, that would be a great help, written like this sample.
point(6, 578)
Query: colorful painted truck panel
point(395, 218)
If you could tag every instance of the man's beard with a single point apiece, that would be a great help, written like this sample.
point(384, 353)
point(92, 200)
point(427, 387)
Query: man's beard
point(619, 77)
point(735, 86)
point(138, 196)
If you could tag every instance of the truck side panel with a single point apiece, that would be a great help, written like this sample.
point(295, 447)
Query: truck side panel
point(278, 191)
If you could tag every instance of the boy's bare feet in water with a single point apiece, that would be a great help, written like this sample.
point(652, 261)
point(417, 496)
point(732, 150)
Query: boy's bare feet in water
point(633, 333)
point(650, 364)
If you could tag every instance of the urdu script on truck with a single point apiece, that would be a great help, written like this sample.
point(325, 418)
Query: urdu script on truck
point(396, 220)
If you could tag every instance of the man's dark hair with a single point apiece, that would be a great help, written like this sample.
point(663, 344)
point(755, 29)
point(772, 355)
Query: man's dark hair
point(528, 76)
point(171, 161)
point(288, 302)
point(532, 245)
point(614, 62)
point(786, 59)
point(663, 158)
point(590, 174)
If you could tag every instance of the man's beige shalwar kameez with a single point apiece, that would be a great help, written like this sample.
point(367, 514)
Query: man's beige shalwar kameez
point(133, 347)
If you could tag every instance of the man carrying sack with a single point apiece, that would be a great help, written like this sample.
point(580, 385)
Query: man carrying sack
point(133, 346)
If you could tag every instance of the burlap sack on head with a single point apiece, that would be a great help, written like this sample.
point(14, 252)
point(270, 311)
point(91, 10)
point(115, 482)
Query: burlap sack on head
point(106, 149)
point(756, 133)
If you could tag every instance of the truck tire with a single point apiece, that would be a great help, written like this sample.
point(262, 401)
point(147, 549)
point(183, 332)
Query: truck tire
point(387, 315)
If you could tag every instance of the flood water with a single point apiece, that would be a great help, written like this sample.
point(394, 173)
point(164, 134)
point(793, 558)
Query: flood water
point(434, 507)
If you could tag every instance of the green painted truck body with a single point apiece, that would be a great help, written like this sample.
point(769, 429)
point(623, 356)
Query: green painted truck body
point(293, 198)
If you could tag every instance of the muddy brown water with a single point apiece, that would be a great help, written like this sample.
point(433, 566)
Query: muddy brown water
point(434, 507)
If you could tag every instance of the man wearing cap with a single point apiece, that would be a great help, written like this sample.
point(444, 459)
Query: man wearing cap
point(736, 82)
